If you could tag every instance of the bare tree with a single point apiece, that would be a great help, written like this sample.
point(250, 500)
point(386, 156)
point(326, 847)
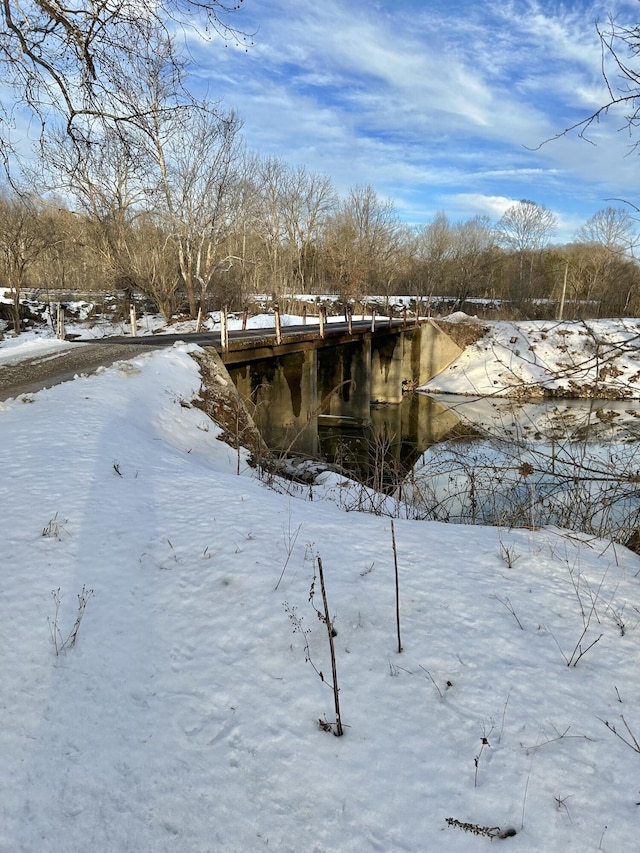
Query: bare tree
point(195, 159)
point(608, 241)
point(471, 244)
point(154, 265)
point(272, 180)
point(526, 227)
point(170, 163)
point(363, 242)
point(614, 228)
point(306, 200)
point(435, 247)
point(110, 185)
point(70, 60)
point(73, 263)
point(243, 244)
point(25, 233)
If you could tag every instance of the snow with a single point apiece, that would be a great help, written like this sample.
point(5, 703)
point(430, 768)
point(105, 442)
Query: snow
point(595, 358)
point(30, 345)
point(185, 718)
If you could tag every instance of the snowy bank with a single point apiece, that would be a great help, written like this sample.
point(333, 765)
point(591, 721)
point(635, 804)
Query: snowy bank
point(186, 718)
point(598, 359)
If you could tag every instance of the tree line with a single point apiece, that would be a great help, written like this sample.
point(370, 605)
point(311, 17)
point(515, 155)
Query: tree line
point(139, 187)
point(222, 228)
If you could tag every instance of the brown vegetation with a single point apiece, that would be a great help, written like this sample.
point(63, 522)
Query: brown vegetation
point(277, 232)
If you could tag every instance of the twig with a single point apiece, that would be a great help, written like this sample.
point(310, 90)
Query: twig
point(526, 789)
point(336, 699)
point(633, 743)
point(432, 679)
point(395, 562)
point(484, 741)
point(504, 714)
point(511, 610)
point(559, 736)
point(573, 660)
point(59, 644)
point(290, 546)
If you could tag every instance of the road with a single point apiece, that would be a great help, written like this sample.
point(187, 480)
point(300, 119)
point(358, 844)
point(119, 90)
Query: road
point(33, 374)
point(86, 356)
point(240, 335)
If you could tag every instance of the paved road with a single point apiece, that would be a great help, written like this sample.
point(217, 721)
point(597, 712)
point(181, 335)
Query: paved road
point(32, 374)
point(238, 335)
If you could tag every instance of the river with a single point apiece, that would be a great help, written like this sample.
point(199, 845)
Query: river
point(566, 462)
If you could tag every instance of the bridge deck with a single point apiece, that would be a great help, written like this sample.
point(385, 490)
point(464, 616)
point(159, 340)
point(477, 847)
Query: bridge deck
point(247, 345)
point(256, 344)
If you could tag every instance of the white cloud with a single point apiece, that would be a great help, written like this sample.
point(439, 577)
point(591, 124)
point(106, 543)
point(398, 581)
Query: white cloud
point(492, 205)
point(433, 104)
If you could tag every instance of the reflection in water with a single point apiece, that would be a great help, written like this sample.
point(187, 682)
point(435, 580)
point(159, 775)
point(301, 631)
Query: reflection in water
point(552, 419)
point(382, 453)
point(570, 463)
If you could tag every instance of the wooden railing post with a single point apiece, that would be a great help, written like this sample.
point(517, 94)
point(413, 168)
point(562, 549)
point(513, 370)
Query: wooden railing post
point(276, 310)
point(60, 333)
point(321, 318)
point(132, 317)
point(224, 329)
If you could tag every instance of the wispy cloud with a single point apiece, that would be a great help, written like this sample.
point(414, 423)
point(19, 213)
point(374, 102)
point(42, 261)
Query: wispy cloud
point(430, 102)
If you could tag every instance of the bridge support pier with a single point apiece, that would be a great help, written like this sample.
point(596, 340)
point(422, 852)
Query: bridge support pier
point(282, 396)
point(387, 369)
point(344, 381)
point(415, 356)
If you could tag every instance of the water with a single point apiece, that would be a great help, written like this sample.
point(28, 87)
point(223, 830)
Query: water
point(383, 452)
point(565, 462)
point(570, 463)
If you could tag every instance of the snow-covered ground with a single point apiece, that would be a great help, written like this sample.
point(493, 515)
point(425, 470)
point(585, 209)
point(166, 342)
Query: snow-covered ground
point(186, 718)
point(594, 358)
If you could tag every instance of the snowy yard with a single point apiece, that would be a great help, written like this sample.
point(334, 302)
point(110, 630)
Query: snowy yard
point(185, 718)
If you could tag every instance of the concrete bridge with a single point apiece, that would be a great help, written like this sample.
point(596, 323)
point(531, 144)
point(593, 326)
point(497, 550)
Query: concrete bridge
point(288, 381)
point(288, 386)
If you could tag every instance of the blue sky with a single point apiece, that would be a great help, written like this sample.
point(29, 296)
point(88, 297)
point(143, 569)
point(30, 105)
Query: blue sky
point(434, 104)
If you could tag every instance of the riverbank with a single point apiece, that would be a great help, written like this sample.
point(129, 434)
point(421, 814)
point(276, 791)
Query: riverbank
point(530, 360)
point(190, 715)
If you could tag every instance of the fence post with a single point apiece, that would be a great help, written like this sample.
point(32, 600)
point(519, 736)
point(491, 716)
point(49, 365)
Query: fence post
point(350, 319)
point(321, 317)
point(276, 309)
point(132, 317)
point(224, 329)
point(373, 319)
point(245, 317)
point(60, 333)
point(304, 315)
